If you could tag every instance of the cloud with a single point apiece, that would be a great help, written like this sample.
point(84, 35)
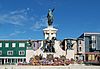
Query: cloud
point(12, 19)
point(17, 17)
point(23, 18)
point(42, 22)
point(22, 11)
point(15, 33)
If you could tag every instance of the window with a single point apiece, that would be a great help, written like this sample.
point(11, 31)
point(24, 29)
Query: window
point(9, 52)
point(0, 52)
point(0, 44)
point(93, 57)
point(13, 44)
point(93, 37)
point(21, 52)
point(93, 45)
point(7, 45)
point(51, 33)
point(80, 48)
point(21, 44)
point(47, 33)
point(79, 41)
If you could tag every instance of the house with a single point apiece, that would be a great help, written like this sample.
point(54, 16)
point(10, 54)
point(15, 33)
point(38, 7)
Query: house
point(91, 47)
point(12, 51)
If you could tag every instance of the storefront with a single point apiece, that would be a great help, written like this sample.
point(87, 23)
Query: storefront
point(92, 57)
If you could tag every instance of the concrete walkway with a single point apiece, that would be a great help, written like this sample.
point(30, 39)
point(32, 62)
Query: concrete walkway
point(75, 66)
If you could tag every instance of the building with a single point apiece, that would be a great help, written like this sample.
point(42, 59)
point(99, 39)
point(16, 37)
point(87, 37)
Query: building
point(86, 48)
point(73, 48)
point(12, 51)
point(91, 47)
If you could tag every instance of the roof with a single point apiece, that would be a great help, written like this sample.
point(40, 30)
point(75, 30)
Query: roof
point(91, 33)
point(15, 40)
point(88, 33)
point(19, 40)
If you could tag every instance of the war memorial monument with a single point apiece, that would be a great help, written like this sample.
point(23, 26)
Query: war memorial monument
point(51, 53)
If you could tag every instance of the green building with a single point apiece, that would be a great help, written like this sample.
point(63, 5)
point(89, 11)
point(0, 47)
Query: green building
point(12, 51)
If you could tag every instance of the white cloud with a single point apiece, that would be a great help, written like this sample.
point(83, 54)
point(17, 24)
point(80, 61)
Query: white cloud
point(42, 22)
point(22, 11)
point(22, 18)
point(17, 17)
point(15, 33)
point(12, 19)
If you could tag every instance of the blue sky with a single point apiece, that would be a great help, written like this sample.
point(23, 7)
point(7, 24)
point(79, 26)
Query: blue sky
point(26, 19)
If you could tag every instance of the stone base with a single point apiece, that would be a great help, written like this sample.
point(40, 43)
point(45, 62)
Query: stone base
point(70, 54)
point(50, 32)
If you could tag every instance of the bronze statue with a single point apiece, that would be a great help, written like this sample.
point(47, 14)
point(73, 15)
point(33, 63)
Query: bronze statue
point(50, 17)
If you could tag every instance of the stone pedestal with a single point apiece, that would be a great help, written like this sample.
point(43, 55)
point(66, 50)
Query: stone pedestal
point(70, 54)
point(50, 32)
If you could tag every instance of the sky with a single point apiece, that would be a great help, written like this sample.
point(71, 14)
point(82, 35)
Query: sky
point(26, 19)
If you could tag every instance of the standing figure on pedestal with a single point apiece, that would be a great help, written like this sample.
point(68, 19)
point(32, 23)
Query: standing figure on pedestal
point(50, 17)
